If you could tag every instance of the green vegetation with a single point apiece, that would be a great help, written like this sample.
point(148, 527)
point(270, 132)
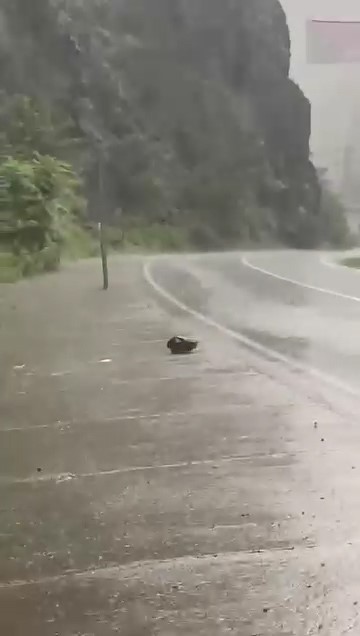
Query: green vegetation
point(172, 122)
point(9, 268)
point(38, 202)
point(41, 205)
point(353, 261)
point(148, 238)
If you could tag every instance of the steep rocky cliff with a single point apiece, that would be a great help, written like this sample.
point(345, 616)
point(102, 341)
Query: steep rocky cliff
point(184, 107)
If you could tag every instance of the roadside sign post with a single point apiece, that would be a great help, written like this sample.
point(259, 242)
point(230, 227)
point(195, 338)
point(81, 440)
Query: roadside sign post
point(102, 238)
point(104, 260)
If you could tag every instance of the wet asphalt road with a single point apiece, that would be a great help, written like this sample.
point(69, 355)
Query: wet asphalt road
point(292, 303)
point(218, 493)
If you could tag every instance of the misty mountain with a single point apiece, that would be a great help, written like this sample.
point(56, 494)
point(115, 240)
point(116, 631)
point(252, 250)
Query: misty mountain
point(333, 89)
point(183, 111)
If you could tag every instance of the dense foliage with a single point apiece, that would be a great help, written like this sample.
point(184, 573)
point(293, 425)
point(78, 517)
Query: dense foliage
point(39, 193)
point(38, 198)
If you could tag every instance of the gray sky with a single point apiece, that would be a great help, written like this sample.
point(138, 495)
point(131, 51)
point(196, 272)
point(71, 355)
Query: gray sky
point(334, 90)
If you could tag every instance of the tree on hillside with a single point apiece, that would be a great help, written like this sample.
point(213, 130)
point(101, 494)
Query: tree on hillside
point(28, 126)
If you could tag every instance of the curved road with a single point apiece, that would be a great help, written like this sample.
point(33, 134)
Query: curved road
point(296, 304)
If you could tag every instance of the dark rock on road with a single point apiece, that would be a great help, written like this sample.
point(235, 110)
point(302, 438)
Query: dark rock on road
point(181, 346)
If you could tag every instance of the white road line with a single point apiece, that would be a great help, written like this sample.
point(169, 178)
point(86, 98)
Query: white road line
point(162, 378)
point(65, 478)
point(325, 260)
point(191, 562)
point(264, 351)
point(118, 419)
point(292, 281)
point(68, 424)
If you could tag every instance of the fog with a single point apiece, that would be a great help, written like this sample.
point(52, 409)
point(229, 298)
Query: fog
point(334, 90)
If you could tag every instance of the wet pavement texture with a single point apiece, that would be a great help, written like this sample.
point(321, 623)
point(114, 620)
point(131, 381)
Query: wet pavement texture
point(300, 320)
point(146, 494)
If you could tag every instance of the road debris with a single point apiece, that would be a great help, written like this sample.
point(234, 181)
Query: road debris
point(180, 346)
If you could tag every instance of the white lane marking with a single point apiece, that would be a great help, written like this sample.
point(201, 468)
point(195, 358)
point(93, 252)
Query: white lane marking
point(293, 281)
point(114, 382)
point(62, 478)
point(325, 260)
point(264, 351)
point(125, 571)
point(118, 419)
point(70, 423)
point(60, 374)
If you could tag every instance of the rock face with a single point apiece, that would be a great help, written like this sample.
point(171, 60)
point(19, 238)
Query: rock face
point(284, 116)
point(190, 102)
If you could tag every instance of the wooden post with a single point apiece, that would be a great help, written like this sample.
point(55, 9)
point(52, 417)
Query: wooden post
point(104, 259)
point(103, 247)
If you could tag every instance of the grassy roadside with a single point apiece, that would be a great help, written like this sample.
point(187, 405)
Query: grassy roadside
point(156, 237)
point(9, 268)
point(79, 243)
point(352, 261)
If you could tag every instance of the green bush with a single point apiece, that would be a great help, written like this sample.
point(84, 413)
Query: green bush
point(46, 260)
point(9, 268)
point(39, 202)
point(353, 261)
